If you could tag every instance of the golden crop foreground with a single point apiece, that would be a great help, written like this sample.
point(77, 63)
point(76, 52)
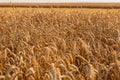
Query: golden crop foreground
point(59, 44)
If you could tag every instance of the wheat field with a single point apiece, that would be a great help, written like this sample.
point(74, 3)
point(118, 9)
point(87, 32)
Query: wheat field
point(59, 44)
point(63, 5)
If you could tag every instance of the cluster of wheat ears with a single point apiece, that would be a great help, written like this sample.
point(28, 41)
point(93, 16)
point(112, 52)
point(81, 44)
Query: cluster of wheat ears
point(59, 44)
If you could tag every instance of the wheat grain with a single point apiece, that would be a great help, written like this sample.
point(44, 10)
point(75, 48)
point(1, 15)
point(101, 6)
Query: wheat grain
point(59, 44)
